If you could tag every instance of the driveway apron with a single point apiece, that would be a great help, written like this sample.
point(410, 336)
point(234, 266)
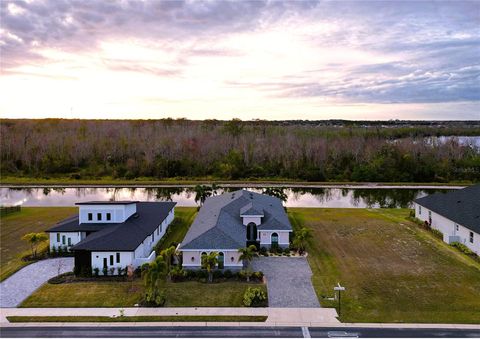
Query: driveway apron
point(288, 281)
point(21, 284)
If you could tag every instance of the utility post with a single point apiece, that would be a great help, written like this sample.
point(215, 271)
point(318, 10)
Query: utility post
point(339, 289)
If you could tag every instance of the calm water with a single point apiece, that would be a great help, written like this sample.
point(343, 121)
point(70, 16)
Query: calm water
point(296, 197)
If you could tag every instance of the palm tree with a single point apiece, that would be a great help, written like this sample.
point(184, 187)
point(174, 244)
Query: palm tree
point(202, 192)
point(209, 261)
point(153, 278)
point(246, 255)
point(301, 237)
point(35, 239)
point(276, 192)
point(167, 255)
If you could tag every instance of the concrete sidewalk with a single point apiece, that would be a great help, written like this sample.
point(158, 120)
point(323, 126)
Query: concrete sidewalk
point(295, 317)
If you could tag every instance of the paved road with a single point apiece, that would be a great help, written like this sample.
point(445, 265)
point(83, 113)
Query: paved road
point(289, 281)
point(236, 332)
point(21, 284)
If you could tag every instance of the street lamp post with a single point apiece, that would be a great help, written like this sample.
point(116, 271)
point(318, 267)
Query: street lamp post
point(339, 289)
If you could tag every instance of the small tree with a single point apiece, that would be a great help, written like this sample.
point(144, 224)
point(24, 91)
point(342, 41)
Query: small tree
point(167, 255)
point(209, 261)
point(34, 239)
point(152, 278)
point(202, 192)
point(246, 255)
point(301, 238)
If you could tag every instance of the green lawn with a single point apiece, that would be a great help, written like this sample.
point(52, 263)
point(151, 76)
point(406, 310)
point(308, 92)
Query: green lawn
point(14, 226)
point(127, 294)
point(173, 318)
point(393, 270)
point(184, 217)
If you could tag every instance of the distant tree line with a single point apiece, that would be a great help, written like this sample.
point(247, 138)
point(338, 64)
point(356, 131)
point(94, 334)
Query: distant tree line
point(167, 148)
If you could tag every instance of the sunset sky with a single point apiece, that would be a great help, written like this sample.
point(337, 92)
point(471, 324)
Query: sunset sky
point(258, 59)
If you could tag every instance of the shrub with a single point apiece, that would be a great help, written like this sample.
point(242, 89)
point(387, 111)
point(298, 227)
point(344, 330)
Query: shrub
point(53, 251)
point(258, 275)
point(138, 272)
point(60, 279)
point(120, 271)
point(145, 266)
point(60, 251)
point(437, 233)
point(263, 250)
point(86, 271)
point(228, 274)
point(105, 270)
point(96, 271)
point(274, 248)
point(254, 297)
point(112, 270)
point(156, 297)
point(286, 250)
point(462, 248)
point(178, 274)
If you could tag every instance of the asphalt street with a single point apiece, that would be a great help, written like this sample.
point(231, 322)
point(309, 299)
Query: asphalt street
point(232, 332)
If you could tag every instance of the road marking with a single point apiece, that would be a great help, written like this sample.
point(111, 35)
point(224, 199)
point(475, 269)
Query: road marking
point(305, 332)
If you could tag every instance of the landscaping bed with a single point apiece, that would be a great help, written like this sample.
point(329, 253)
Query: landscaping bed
point(175, 318)
point(393, 270)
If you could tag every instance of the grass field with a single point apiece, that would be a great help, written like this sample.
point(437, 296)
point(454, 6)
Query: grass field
point(127, 294)
point(184, 217)
point(174, 318)
point(393, 270)
point(14, 226)
point(109, 181)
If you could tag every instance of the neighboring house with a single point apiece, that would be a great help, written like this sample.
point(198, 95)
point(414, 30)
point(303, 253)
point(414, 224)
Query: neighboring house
point(456, 214)
point(231, 221)
point(113, 233)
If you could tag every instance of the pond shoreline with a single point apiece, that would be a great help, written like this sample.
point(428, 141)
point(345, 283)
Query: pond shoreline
point(247, 185)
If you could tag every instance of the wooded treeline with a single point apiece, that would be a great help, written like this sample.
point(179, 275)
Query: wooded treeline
point(128, 149)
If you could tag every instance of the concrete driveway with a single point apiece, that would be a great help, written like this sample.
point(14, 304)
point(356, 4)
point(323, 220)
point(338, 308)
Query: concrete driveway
point(21, 284)
point(288, 281)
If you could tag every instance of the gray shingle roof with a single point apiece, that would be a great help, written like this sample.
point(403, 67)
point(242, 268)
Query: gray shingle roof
point(218, 224)
point(124, 236)
point(461, 206)
point(120, 202)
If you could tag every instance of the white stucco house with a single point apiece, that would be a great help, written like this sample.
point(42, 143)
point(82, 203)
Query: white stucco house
point(113, 233)
point(456, 214)
point(231, 221)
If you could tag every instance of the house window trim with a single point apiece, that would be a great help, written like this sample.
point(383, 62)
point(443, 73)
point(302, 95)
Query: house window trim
point(90, 216)
point(99, 216)
point(118, 257)
point(111, 259)
point(109, 216)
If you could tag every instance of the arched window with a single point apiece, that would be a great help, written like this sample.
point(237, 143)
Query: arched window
point(274, 240)
point(221, 260)
point(204, 254)
point(251, 232)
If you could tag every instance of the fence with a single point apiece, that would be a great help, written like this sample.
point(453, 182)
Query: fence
point(4, 210)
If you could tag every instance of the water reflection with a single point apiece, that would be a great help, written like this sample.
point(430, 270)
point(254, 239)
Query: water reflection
point(296, 197)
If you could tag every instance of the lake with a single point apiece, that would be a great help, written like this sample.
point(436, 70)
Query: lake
point(185, 196)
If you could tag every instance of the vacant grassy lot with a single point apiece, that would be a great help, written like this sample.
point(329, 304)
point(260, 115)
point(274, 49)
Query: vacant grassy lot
point(15, 225)
point(393, 270)
point(184, 217)
point(125, 294)
point(176, 318)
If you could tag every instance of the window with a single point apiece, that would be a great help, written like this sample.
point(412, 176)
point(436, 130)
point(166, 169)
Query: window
point(111, 259)
point(109, 216)
point(69, 241)
point(158, 231)
point(419, 210)
point(153, 237)
point(204, 254)
point(99, 216)
point(63, 239)
point(221, 260)
point(58, 237)
point(160, 227)
point(104, 262)
point(456, 227)
point(471, 237)
point(90, 216)
point(274, 239)
point(118, 258)
point(429, 214)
